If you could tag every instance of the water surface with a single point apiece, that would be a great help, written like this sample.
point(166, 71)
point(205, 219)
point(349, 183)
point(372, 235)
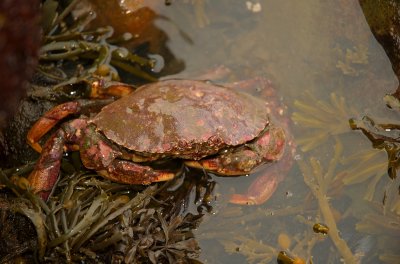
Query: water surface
point(327, 67)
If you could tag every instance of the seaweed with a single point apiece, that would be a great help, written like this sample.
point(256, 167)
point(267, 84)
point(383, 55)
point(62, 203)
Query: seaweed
point(364, 165)
point(325, 118)
point(350, 61)
point(383, 221)
point(319, 181)
point(70, 44)
point(243, 232)
point(383, 136)
point(258, 247)
point(92, 219)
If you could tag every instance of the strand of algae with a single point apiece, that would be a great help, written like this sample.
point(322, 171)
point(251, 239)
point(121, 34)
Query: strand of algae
point(318, 182)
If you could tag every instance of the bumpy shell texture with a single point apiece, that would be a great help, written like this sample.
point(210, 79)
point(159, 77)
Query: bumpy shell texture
point(182, 118)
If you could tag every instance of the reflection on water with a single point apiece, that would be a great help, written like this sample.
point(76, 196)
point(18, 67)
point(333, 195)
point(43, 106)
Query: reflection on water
point(327, 66)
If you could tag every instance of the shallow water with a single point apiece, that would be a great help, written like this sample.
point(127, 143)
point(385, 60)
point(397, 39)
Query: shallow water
point(326, 67)
point(321, 55)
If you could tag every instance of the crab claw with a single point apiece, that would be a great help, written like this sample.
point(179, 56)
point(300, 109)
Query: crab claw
point(260, 190)
point(45, 175)
point(42, 182)
point(264, 186)
point(232, 164)
point(131, 173)
point(48, 121)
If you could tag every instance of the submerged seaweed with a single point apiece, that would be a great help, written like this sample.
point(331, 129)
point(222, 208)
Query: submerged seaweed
point(241, 233)
point(319, 182)
point(365, 165)
point(256, 234)
point(383, 136)
point(383, 217)
point(385, 223)
point(351, 60)
point(326, 119)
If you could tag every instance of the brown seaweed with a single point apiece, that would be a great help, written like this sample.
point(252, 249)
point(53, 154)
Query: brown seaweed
point(70, 43)
point(90, 218)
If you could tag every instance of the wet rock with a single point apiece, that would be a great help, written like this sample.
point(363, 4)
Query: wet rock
point(15, 149)
point(19, 44)
point(383, 18)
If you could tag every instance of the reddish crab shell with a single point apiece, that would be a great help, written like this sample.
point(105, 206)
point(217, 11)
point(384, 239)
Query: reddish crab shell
point(176, 118)
point(182, 118)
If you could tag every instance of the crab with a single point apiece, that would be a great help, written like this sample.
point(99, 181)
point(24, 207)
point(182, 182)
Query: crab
point(212, 127)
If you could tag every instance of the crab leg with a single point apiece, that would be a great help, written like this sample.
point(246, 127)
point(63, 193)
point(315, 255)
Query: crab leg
point(262, 188)
point(95, 154)
point(259, 191)
point(45, 174)
point(113, 164)
point(239, 162)
point(268, 148)
point(47, 168)
point(55, 115)
point(128, 172)
point(48, 121)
